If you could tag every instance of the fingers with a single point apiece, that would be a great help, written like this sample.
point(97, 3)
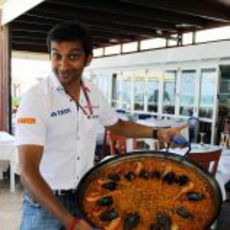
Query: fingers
point(180, 127)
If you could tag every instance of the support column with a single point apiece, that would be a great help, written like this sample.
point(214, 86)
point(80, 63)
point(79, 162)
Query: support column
point(5, 78)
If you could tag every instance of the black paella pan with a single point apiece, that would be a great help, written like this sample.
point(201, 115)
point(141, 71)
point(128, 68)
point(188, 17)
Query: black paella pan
point(94, 173)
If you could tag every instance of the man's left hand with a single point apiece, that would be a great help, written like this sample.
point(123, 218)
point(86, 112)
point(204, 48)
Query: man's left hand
point(166, 134)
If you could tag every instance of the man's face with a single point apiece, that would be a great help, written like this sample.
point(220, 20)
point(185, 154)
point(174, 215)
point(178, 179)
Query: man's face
point(68, 61)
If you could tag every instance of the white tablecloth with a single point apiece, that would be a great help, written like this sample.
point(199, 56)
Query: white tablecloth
point(155, 123)
point(8, 155)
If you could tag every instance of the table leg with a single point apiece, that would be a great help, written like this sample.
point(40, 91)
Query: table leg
point(12, 177)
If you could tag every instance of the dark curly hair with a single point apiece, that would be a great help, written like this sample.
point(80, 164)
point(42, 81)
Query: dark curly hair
point(71, 31)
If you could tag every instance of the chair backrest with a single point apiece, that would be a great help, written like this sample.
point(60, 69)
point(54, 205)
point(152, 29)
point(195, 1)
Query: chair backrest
point(208, 160)
point(117, 143)
point(193, 126)
point(143, 116)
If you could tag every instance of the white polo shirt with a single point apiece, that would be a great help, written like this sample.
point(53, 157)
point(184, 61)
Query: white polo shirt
point(47, 116)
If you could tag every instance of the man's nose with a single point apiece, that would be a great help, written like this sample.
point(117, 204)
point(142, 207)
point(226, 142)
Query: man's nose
point(64, 63)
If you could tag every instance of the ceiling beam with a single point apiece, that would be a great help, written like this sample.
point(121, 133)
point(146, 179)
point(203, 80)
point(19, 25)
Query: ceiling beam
point(103, 26)
point(22, 38)
point(27, 26)
point(18, 33)
point(113, 19)
point(29, 47)
point(118, 9)
point(205, 9)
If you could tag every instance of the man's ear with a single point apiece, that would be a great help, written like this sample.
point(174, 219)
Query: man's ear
point(88, 60)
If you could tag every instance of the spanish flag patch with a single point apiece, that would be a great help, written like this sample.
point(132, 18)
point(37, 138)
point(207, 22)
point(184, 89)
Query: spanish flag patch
point(26, 120)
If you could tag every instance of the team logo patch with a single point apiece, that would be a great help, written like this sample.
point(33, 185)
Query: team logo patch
point(60, 112)
point(26, 120)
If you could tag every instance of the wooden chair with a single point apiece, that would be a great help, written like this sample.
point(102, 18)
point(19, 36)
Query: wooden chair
point(117, 144)
point(206, 158)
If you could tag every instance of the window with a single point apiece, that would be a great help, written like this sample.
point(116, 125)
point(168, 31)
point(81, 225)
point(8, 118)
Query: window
point(139, 90)
point(207, 93)
point(187, 92)
point(169, 92)
point(153, 78)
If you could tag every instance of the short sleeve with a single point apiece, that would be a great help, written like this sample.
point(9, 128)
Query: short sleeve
point(107, 114)
point(30, 119)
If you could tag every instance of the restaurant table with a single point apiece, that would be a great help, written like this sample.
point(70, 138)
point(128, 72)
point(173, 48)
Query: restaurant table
point(8, 154)
point(149, 142)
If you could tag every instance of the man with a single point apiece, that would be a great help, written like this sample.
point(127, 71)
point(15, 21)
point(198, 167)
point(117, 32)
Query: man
point(56, 132)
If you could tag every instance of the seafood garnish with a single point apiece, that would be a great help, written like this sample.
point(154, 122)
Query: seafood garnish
point(184, 213)
point(170, 177)
point(110, 185)
point(130, 176)
point(182, 180)
point(139, 168)
point(114, 225)
point(186, 189)
point(105, 201)
point(114, 177)
point(144, 174)
point(131, 221)
point(195, 196)
point(108, 215)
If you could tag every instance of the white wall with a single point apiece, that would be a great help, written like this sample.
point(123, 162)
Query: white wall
point(209, 51)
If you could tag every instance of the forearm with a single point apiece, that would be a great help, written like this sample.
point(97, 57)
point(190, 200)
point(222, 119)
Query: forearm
point(133, 130)
point(42, 193)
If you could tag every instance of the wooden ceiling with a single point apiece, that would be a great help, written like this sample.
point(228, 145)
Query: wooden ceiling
point(118, 21)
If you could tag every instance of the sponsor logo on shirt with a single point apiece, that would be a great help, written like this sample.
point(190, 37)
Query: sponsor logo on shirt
point(60, 112)
point(26, 120)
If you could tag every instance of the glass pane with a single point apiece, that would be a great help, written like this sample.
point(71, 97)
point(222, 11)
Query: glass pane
point(103, 81)
point(169, 92)
point(139, 90)
point(207, 93)
point(205, 131)
point(127, 90)
point(187, 92)
point(153, 78)
point(116, 89)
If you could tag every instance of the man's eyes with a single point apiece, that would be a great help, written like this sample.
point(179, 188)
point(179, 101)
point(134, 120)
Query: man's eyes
point(70, 56)
point(56, 56)
point(74, 56)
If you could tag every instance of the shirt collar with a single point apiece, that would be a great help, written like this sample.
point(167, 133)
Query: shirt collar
point(55, 83)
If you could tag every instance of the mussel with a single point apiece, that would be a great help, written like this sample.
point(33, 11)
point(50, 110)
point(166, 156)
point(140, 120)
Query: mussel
point(129, 176)
point(108, 215)
point(184, 213)
point(105, 201)
point(156, 174)
point(164, 221)
point(114, 177)
point(110, 185)
point(144, 174)
point(195, 196)
point(131, 221)
point(169, 178)
point(182, 180)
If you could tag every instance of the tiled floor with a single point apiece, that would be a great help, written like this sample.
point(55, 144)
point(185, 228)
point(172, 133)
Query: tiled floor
point(10, 206)
point(11, 209)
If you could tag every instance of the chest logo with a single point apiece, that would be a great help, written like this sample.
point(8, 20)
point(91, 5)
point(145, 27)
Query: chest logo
point(60, 112)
